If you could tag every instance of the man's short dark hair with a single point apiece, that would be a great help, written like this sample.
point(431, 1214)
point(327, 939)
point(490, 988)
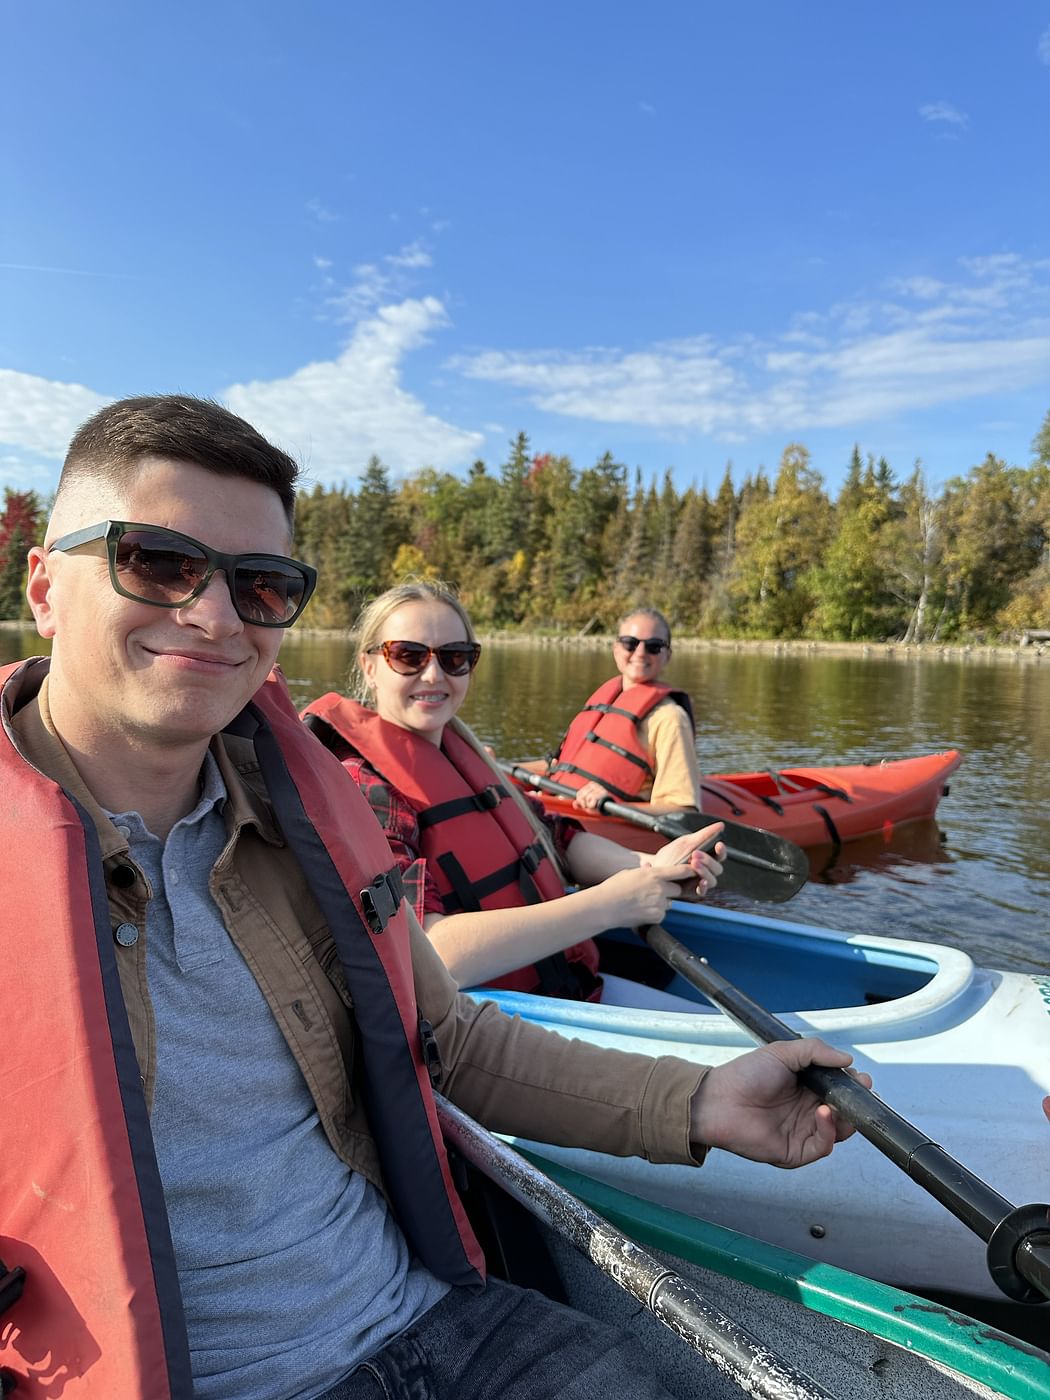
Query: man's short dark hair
point(185, 429)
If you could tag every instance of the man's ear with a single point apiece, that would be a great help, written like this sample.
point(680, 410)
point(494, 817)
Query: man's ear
point(38, 591)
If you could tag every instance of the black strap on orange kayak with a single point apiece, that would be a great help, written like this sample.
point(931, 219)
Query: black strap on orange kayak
point(830, 791)
point(713, 792)
point(829, 822)
point(788, 784)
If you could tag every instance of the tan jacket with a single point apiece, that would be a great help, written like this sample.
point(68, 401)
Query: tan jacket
point(512, 1076)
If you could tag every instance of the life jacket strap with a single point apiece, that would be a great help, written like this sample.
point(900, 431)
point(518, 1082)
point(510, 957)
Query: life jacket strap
point(467, 894)
point(593, 738)
point(589, 777)
point(558, 977)
point(614, 710)
point(484, 801)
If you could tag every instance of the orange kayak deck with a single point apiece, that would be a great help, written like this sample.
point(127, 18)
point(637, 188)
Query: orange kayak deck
point(810, 806)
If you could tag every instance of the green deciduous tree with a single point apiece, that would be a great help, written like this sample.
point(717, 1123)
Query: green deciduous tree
point(780, 539)
point(851, 592)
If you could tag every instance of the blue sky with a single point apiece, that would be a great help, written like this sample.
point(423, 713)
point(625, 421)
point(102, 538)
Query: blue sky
point(681, 232)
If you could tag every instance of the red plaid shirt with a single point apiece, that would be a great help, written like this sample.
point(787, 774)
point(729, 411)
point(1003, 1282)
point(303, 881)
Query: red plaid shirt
point(400, 821)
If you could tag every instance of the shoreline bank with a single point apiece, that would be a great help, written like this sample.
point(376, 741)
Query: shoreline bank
point(1013, 652)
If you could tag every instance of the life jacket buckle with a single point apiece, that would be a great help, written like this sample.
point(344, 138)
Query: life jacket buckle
point(12, 1281)
point(489, 798)
point(381, 899)
point(431, 1053)
point(531, 857)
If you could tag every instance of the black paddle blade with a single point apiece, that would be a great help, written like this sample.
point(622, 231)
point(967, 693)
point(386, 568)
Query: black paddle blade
point(757, 863)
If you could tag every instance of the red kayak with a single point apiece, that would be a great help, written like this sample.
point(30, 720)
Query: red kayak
point(810, 806)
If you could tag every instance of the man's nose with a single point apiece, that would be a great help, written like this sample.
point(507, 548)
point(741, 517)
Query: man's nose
point(214, 608)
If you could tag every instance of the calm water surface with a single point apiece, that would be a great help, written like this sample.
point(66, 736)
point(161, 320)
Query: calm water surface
point(978, 878)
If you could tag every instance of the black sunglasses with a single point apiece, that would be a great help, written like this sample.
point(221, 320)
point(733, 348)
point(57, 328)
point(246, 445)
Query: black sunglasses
point(150, 564)
point(653, 645)
point(409, 658)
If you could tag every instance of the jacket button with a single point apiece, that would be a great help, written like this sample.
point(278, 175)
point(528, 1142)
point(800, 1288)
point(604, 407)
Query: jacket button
point(123, 877)
point(126, 935)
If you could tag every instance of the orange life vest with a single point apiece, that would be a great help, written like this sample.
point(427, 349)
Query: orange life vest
point(81, 1203)
point(480, 848)
point(602, 743)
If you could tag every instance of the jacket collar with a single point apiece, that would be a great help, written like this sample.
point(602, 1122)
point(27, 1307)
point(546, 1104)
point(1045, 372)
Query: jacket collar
point(39, 742)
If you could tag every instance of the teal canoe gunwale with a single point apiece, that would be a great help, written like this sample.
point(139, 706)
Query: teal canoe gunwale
point(981, 1353)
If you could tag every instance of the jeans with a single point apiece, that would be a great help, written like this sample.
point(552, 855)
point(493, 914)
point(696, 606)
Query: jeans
point(507, 1343)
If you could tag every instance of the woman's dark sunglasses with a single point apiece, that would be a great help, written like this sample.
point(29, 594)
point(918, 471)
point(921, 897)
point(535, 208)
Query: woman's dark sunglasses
point(150, 564)
point(409, 658)
point(653, 645)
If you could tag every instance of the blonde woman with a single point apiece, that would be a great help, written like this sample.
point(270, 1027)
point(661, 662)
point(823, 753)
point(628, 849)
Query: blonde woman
point(486, 876)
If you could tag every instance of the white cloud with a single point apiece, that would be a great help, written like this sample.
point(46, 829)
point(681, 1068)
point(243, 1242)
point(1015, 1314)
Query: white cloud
point(929, 341)
point(944, 112)
point(376, 284)
point(333, 414)
point(321, 212)
point(1044, 45)
point(39, 415)
point(412, 256)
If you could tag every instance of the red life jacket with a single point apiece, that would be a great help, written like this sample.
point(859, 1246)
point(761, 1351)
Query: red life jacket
point(602, 743)
point(82, 1207)
point(479, 846)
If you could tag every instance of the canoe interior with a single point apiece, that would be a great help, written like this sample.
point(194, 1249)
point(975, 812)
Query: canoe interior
point(857, 1338)
point(780, 965)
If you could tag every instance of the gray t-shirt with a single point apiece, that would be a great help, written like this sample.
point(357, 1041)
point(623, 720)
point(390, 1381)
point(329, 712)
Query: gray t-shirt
point(291, 1267)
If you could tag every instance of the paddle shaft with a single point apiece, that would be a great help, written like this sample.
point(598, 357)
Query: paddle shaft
point(1019, 1239)
point(651, 821)
point(732, 1349)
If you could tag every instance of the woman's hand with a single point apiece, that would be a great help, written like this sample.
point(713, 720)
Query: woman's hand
point(685, 850)
point(640, 895)
point(590, 797)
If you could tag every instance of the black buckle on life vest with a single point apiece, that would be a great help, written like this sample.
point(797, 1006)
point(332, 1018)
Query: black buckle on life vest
point(431, 1053)
point(489, 798)
point(531, 858)
point(12, 1281)
point(381, 899)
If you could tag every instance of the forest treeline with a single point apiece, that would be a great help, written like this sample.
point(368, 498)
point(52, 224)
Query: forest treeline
point(540, 543)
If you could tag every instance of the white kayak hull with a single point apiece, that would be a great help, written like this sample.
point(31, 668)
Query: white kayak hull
point(960, 1051)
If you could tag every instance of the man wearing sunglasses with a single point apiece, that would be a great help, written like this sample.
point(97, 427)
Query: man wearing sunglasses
point(223, 1175)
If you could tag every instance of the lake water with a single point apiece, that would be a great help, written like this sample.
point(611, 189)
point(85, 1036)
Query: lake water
point(978, 877)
